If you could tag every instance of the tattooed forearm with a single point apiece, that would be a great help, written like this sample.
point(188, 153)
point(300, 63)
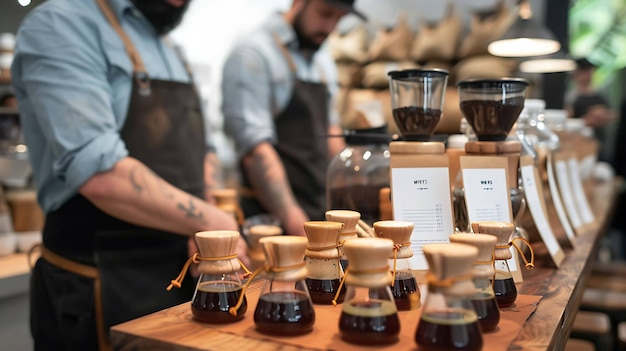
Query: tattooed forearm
point(269, 180)
point(140, 178)
point(133, 180)
point(191, 211)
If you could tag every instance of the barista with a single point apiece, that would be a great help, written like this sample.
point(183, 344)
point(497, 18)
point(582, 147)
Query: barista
point(277, 90)
point(117, 144)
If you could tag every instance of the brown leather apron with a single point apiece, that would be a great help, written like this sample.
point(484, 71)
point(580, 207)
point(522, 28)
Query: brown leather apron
point(97, 271)
point(302, 146)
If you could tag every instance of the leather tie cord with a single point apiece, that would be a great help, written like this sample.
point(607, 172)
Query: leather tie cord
point(196, 258)
point(528, 265)
point(396, 248)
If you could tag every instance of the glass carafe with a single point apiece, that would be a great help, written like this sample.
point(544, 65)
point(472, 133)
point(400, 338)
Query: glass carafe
point(404, 286)
point(284, 307)
point(369, 315)
point(356, 174)
point(322, 261)
point(503, 284)
point(350, 220)
point(219, 295)
point(484, 298)
point(448, 320)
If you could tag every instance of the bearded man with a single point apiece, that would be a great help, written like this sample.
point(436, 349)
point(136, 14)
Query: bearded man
point(277, 89)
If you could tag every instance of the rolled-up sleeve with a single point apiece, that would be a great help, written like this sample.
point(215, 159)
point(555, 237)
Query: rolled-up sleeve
point(61, 78)
point(247, 101)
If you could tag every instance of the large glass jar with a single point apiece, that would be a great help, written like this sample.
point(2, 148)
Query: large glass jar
point(356, 175)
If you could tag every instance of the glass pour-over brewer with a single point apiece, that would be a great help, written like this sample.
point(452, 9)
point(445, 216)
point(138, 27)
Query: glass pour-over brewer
point(448, 320)
point(322, 255)
point(219, 295)
point(369, 315)
point(284, 307)
point(404, 286)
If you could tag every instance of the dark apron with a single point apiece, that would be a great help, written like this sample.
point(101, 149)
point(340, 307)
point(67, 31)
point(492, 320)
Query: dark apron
point(302, 146)
point(97, 271)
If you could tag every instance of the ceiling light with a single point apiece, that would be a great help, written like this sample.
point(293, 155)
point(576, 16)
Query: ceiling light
point(525, 38)
point(553, 63)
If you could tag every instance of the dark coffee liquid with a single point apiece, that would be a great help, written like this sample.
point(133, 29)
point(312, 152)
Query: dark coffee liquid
point(360, 198)
point(405, 292)
point(322, 291)
point(492, 120)
point(486, 308)
point(506, 292)
point(284, 313)
point(416, 123)
point(369, 323)
point(448, 331)
point(213, 300)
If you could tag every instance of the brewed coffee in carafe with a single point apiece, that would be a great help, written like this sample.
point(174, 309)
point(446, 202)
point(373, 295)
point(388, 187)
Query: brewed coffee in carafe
point(285, 307)
point(219, 296)
point(448, 320)
point(484, 298)
point(322, 261)
point(369, 315)
point(404, 286)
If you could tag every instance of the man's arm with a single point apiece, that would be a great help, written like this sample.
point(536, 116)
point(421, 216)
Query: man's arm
point(335, 143)
point(212, 168)
point(131, 192)
point(268, 178)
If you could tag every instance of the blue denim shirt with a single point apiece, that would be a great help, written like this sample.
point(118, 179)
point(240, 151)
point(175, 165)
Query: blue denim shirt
point(257, 83)
point(72, 78)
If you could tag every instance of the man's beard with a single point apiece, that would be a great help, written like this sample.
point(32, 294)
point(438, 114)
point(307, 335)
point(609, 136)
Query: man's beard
point(163, 16)
point(305, 42)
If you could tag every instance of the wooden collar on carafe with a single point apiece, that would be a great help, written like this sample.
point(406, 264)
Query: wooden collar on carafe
point(323, 239)
point(349, 219)
point(400, 233)
point(485, 243)
point(450, 267)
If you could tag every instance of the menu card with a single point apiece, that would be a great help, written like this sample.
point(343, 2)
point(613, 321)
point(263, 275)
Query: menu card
point(556, 200)
point(579, 191)
point(534, 200)
point(566, 190)
point(422, 196)
point(487, 195)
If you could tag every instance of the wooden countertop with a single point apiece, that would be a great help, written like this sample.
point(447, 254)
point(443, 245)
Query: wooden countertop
point(547, 329)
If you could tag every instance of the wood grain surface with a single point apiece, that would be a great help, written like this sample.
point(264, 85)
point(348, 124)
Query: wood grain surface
point(547, 328)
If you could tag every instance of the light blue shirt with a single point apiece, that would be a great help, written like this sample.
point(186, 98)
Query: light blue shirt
point(257, 83)
point(72, 78)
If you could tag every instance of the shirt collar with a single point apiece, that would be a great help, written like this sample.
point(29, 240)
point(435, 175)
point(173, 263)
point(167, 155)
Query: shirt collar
point(283, 30)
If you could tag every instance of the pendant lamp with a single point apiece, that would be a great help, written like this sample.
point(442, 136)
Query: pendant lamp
point(553, 63)
point(526, 37)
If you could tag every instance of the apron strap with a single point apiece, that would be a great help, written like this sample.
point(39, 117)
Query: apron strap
point(88, 272)
point(133, 54)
